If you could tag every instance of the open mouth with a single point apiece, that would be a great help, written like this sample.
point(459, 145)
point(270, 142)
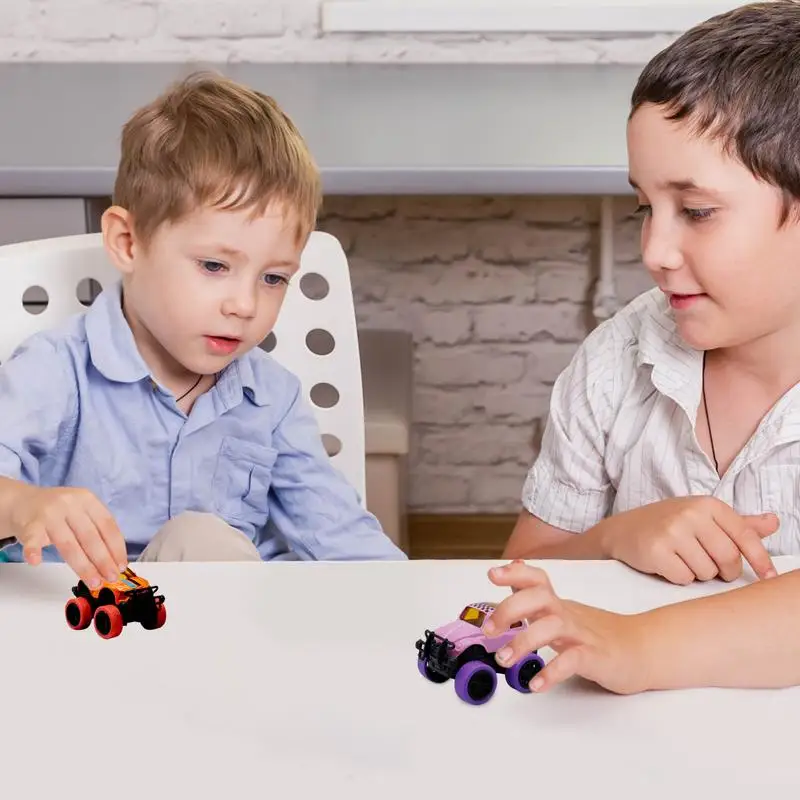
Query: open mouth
point(223, 344)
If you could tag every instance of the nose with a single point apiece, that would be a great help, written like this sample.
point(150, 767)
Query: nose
point(661, 245)
point(241, 301)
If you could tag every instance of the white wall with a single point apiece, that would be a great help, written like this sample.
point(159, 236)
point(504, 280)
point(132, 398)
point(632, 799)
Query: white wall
point(290, 30)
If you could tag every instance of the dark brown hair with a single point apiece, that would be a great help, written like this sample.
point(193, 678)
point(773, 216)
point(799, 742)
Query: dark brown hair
point(209, 141)
point(736, 78)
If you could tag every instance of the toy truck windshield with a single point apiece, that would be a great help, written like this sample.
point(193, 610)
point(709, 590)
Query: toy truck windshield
point(473, 615)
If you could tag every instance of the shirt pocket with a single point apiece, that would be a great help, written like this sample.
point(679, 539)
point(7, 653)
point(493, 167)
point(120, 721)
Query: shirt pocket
point(777, 488)
point(242, 480)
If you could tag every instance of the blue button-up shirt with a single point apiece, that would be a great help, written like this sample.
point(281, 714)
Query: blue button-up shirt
point(78, 407)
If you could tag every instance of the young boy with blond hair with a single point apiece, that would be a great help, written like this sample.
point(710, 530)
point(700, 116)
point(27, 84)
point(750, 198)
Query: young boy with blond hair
point(673, 442)
point(153, 427)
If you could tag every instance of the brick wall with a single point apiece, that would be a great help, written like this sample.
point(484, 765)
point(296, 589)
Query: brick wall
point(497, 292)
point(263, 30)
point(495, 289)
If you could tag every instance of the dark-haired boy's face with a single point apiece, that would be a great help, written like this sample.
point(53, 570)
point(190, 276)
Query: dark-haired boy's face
point(711, 235)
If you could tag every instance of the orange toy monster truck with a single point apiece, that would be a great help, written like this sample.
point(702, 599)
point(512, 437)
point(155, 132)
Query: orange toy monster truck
point(116, 604)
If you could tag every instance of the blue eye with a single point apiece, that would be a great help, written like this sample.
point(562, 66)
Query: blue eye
point(275, 280)
point(211, 266)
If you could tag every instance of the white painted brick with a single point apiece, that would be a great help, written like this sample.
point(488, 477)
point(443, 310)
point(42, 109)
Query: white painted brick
point(434, 489)
point(463, 208)
point(508, 323)
point(361, 208)
point(453, 326)
point(13, 15)
point(556, 209)
point(444, 327)
point(473, 281)
point(546, 360)
point(434, 406)
point(222, 20)
point(78, 30)
point(411, 243)
point(497, 491)
point(630, 282)
point(467, 366)
point(557, 282)
point(95, 20)
point(486, 445)
point(496, 243)
point(522, 403)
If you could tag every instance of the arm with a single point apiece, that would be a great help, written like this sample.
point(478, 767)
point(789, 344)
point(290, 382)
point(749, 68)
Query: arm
point(567, 490)
point(37, 409)
point(314, 508)
point(534, 539)
point(745, 637)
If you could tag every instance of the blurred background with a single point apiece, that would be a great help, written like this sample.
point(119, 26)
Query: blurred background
point(473, 156)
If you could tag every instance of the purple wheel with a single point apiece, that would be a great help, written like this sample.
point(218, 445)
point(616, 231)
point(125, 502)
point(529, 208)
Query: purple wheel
point(476, 682)
point(427, 672)
point(521, 674)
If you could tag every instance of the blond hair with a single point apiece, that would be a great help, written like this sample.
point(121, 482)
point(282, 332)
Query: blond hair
point(211, 142)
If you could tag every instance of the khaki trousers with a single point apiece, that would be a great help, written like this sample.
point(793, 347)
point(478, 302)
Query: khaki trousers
point(196, 536)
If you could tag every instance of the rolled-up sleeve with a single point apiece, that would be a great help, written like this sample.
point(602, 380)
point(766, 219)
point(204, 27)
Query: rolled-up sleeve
point(314, 508)
point(568, 486)
point(37, 409)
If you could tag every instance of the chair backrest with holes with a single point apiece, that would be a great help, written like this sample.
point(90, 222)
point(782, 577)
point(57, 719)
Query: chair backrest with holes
point(318, 310)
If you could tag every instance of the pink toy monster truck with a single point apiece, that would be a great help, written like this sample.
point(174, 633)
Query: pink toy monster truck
point(462, 651)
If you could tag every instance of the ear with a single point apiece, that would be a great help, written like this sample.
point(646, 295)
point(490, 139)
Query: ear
point(119, 238)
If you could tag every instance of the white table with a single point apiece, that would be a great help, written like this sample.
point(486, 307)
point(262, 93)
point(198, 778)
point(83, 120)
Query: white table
point(299, 680)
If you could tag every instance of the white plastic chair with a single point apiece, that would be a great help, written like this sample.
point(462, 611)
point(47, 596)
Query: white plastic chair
point(318, 313)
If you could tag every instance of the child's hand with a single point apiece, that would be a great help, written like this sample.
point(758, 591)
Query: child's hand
point(688, 538)
point(77, 524)
point(597, 645)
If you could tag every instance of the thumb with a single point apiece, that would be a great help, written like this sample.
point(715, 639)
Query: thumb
point(763, 524)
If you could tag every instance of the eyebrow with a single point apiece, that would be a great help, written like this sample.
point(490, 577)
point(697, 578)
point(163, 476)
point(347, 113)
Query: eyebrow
point(685, 185)
point(223, 249)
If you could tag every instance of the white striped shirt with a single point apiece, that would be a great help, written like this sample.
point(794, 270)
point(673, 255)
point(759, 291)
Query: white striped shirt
point(621, 433)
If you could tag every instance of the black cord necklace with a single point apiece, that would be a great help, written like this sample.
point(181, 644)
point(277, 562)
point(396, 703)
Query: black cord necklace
point(708, 419)
point(196, 384)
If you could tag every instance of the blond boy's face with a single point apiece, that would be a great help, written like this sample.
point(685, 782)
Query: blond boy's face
point(209, 287)
point(711, 237)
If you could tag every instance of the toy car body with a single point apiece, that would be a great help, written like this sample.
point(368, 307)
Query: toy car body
point(115, 604)
point(461, 650)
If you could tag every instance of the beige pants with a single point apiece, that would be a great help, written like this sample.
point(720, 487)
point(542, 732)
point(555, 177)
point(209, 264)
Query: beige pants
point(194, 536)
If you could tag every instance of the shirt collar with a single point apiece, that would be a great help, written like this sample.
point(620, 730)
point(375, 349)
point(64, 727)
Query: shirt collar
point(112, 347)
point(114, 353)
point(676, 366)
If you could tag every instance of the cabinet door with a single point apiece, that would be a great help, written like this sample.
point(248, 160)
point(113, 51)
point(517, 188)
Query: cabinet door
point(25, 219)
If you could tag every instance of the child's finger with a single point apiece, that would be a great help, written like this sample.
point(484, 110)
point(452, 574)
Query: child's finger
point(697, 559)
point(747, 535)
point(93, 544)
point(673, 568)
point(111, 534)
point(33, 539)
point(32, 555)
point(526, 604)
point(63, 537)
point(541, 634)
point(559, 669)
point(519, 575)
point(721, 548)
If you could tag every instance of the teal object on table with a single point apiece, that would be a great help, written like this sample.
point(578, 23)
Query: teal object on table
point(3, 558)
